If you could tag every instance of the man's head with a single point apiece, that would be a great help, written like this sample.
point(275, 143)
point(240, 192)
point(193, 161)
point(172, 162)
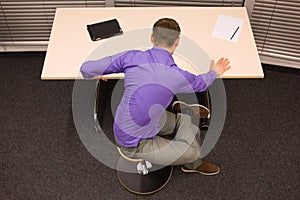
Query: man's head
point(166, 33)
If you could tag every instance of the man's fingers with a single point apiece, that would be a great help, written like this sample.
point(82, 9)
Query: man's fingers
point(212, 62)
point(227, 68)
point(100, 77)
point(224, 61)
point(220, 61)
point(227, 62)
point(103, 78)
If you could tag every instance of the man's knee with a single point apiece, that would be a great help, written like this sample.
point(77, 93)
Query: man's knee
point(192, 153)
point(183, 118)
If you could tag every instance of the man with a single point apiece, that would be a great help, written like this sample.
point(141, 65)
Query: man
point(151, 80)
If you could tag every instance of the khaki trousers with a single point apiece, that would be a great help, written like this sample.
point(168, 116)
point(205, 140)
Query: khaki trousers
point(182, 149)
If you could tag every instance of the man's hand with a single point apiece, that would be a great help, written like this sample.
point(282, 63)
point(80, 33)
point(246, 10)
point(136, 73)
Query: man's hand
point(221, 66)
point(100, 77)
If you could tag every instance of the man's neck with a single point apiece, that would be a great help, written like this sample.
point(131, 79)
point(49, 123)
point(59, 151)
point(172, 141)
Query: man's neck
point(169, 49)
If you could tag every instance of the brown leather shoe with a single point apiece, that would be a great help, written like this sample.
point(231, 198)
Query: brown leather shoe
point(194, 110)
point(206, 168)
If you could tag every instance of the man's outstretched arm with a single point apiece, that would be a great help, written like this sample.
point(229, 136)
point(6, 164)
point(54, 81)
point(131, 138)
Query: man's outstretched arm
point(203, 81)
point(107, 65)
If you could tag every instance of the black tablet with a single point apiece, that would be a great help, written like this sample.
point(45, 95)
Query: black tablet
point(104, 29)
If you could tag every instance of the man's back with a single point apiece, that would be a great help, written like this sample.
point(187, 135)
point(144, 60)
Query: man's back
point(151, 80)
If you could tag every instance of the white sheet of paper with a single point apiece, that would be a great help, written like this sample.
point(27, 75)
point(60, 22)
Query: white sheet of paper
point(228, 28)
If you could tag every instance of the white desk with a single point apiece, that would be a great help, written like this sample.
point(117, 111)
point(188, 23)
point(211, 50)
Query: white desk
point(70, 44)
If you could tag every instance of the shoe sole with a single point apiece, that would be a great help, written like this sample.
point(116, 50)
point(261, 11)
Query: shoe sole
point(195, 107)
point(203, 173)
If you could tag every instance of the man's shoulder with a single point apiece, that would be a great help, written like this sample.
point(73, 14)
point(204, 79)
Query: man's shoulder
point(132, 52)
point(136, 53)
point(136, 50)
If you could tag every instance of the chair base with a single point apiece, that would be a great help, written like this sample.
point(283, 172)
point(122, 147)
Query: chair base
point(136, 183)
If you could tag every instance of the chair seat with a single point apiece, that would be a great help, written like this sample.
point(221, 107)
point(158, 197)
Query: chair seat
point(158, 176)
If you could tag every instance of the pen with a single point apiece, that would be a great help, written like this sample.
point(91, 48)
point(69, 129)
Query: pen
point(235, 32)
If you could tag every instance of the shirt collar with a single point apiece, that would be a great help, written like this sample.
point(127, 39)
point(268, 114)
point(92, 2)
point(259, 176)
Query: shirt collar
point(162, 50)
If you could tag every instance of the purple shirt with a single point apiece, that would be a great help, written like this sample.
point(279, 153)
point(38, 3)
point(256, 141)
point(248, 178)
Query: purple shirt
point(151, 80)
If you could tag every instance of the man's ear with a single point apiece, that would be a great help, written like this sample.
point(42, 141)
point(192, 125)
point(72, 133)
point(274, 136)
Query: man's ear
point(176, 42)
point(152, 38)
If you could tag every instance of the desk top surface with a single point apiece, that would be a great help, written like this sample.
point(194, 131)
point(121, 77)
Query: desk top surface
point(70, 44)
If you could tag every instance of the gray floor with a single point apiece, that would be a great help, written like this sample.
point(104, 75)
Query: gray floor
point(42, 156)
